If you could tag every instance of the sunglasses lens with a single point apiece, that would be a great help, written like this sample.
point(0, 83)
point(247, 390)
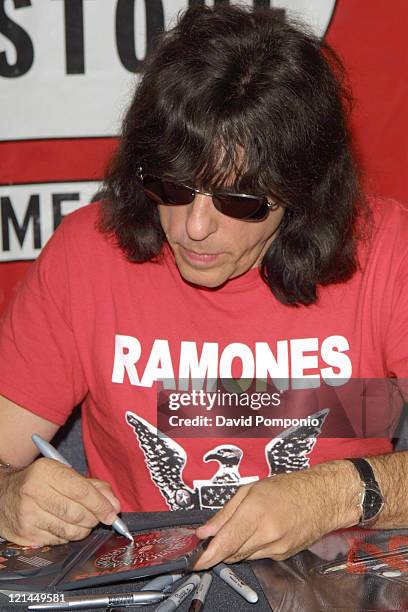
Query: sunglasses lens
point(167, 192)
point(153, 188)
point(239, 207)
point(177, 194)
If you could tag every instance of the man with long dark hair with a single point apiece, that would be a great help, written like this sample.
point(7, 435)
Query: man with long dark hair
point(232, 241)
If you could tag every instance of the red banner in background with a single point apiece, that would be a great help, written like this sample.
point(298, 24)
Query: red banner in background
point(46, 177)
point(42, 167)
point(371, 40)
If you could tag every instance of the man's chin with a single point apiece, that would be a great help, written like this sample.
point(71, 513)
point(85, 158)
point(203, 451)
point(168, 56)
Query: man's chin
point(211, 278)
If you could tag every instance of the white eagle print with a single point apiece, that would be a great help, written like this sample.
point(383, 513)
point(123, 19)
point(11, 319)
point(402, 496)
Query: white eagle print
point(165, 460)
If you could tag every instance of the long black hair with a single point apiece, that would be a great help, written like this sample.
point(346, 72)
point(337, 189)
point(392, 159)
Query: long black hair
point(231, 91)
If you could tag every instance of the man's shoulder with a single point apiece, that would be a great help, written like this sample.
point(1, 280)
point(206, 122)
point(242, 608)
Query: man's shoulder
point(388, 213)
point(82, 230)
point(90, 247)
point(384, 246)
point(83, 220)
point(389, 229)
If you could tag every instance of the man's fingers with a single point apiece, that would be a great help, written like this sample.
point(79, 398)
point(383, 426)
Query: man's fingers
point(252, 546)
point(229, 539)
point(45, 528)
point(63, 532)
point(45, 538)
point(216, 522)
point(276, 550)
point(38, 537)
point(83, 491)
point(45, 521)
point(106, 490)
point(265, 552)
point(255, 548)
point(67, 510)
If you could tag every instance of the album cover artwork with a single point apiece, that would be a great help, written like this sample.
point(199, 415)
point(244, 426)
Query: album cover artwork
point(151, 552)
point(101, 558)
point(30, 560)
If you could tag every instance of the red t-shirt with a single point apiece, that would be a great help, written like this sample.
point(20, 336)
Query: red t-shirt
point(88, 326)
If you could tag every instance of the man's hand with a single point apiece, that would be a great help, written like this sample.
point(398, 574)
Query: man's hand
point(279, 516)
point(49, 503)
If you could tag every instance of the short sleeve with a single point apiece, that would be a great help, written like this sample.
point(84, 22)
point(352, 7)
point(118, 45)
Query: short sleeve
point(396, 348)
point(39, 364)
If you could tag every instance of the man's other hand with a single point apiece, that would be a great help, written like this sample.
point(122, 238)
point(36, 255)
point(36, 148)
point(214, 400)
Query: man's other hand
point(279, 516)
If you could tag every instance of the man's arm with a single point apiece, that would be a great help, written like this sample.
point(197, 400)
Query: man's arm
point(279, 516)
point(16, 427)
point(43, 501)
point(391, 472)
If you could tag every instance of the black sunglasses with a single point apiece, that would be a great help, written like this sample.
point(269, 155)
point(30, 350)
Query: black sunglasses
point(236, 205)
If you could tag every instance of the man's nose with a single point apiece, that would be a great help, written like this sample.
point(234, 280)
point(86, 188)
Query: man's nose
point(201, 218)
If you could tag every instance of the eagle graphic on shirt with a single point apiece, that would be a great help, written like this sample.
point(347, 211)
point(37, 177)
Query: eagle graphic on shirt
point(165, 460)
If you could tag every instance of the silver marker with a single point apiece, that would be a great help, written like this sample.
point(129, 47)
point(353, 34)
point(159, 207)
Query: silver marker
point(161, 582)
point(201, 593)
point(229, 577)
point(47, 450)
point(184, 590)
point(350, 565)
point(335, 568)
point(87, 602)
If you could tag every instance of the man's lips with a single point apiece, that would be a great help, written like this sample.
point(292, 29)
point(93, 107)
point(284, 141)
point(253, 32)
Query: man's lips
point(199, 258)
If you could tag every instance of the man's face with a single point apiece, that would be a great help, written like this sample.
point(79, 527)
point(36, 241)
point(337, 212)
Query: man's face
point(210, 247)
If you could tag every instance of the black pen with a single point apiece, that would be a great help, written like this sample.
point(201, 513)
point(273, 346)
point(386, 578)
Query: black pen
point(201, 593)
point(47, 450)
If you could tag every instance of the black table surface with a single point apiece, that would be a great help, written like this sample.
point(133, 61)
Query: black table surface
point(295, 585)
point(220, 597)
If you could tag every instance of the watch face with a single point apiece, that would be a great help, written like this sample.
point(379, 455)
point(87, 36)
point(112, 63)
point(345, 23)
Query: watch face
point(373, 503)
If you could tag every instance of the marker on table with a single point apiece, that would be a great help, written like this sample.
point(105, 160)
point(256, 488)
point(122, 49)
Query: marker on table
point(227, 575)
point(201, 593)
point(161, 582)
point(184, 590)
point(47, 450)
point(335, 568)
point(90, 602)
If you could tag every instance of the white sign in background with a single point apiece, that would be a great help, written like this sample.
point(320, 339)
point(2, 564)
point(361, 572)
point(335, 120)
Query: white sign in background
point(47, 99)
point(29, 214)
point(52, 85)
